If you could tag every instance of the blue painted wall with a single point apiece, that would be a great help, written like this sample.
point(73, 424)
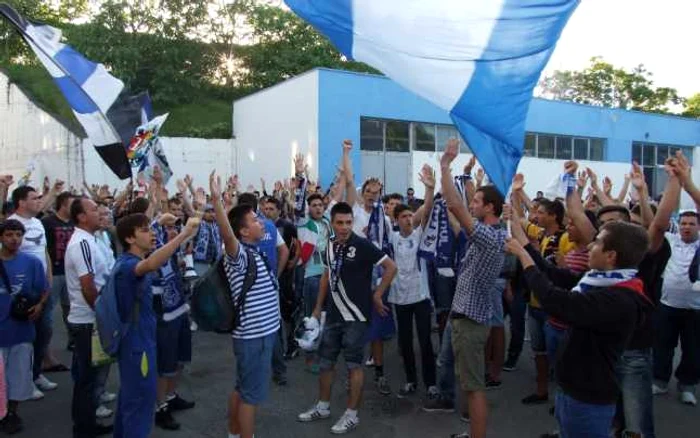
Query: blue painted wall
point(344, 97)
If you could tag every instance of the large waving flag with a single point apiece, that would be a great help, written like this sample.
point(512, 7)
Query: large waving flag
point(99, 101)
point(477, 59)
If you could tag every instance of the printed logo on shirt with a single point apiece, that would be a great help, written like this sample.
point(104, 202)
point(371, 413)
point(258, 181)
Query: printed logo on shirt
point(36, 240)
point(351, 252)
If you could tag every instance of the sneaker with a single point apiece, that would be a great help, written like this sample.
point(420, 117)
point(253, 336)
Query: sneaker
point(382, 385)
point(107, 397)
point(554, 434)
point(11, 424)
point(369, 362)
point(464, 417)
point(509, 365)
point(439, 404)
point(688, 398)
point(45, 384)
point(314, 414)
point(280, 380)
point(103, 412)
point(291, 354)
point(493, 384)
point(36, 394)
point(345, 424)
point(178, 403)
point(406, 390)
point(535, 399)
point(433, 393)
point(193, 326)
point(165, 420)
point(460, 435)
point(658, 389)
point(101, 429)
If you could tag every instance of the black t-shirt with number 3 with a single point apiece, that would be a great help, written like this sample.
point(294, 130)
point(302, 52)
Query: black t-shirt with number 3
point(350, 295)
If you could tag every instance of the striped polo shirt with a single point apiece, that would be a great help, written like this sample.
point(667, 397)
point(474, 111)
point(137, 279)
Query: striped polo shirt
point(260, 315)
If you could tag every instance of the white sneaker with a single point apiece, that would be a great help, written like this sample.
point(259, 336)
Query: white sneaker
point(193, 326)
point(345, 424)
point(36, 394)
point(369, 362)
point(314, 414)
point(658, 390)
point(107, 397)
point(103, 412)
point(45, 384)
point(688, 398)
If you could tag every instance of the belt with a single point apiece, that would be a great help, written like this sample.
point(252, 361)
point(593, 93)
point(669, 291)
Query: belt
point(457, 315)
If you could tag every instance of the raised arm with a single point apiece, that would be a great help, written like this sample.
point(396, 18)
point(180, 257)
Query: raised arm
point(574, 208)
point(602, 197)
point(427, 177)
point(50, 197)
point(351, 195)
point(159, 257)
point(449, 192)
point(623, 191)
point(231, 244)
point(637, 180)
point(686, 179)
point(668, 204)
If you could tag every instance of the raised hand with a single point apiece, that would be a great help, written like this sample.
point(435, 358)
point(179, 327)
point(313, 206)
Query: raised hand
point(347, 146)
point(200, 198)
point(683, 169)
point(581, 180)
point(427, 176)
point(299, 164)
point(192, 226)
point(592, 176)
point(214, 186)
point(57, 186)
point(480, 176)
point(188, 180)
point(607, 185)
point(451, 152)
point(47, 184)
point(518, 183)
point(637, 177)
point(571, 167)
point(470, 165)
point(181, 186)
point(6, 180)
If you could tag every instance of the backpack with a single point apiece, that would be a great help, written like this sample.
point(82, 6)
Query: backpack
point(110, 328)
point(213, 308)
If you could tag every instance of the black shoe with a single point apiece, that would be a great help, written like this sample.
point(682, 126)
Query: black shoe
point(101, 429)
point(509, 365)
point(11, 424)
point(550, 435)
point(439, 405)
point(292, 353)
point(70, 346)
point(165, 420)
point(280, 380)
point(493, 384)
point(179, 404)
point(535, 399)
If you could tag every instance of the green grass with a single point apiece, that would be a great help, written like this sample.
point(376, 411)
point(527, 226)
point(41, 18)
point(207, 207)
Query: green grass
point(206, 117)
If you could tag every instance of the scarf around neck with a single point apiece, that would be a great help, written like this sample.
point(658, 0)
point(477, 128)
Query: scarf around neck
point(207, 230)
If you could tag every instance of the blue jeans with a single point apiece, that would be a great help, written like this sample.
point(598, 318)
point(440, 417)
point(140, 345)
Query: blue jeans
point(446, 365)
point(670, 324)
point(310, 294)
point(254, 367)
point(637, 407)
point(535, 323)
point(553, 337)
point(582, 420)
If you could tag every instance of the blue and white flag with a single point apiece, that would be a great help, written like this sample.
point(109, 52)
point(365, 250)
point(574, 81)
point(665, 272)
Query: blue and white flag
point(99, 102)
point(477, 59)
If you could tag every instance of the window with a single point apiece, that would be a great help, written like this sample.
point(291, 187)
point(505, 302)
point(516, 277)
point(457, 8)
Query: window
point(597, 150)
point(652, 158)
point(371, 135)
point(580, 149)
point(444, 133)
point(637, 153)
point(530, 149)
point(424, 135)
point(564, 148)
point(397, 137)
point(545, 146)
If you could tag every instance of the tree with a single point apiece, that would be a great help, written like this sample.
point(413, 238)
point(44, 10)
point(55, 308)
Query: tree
point(602, 84)
point(692, 106)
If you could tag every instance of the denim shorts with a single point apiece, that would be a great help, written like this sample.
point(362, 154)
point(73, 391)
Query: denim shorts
point(174, 345)
point(254, 367)
point(18, 371)
point(497, 302)
point(536, 319)
point(350, 337)
point(582, 420)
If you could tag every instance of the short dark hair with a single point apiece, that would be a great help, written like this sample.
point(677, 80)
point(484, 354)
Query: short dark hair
point(397, 196)
point(688, 213)
point(492, 196)
point(625, 239)
point(373, 181)
point(175, 200)
point(248, 199)
point(410, 189)
point(62, 198)
point(614, 209)
point(275, 201)
point(400, 209)
point(340, 208)
point(236, 217)
point(76, 208)
point(637, 209)
point(11, 225)
point(314, 197)
point(21, 194)
point(127, 226)
point(139, 205)
point(554, 207)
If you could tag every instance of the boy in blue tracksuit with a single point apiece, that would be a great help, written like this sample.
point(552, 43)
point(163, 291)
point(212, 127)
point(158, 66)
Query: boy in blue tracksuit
point(137, 352)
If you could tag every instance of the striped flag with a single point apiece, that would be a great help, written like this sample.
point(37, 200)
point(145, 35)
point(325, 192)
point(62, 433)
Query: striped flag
point(99, 101)
point(477, 59)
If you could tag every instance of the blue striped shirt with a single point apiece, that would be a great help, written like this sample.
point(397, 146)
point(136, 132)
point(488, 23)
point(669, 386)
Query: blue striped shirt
point(260, 315)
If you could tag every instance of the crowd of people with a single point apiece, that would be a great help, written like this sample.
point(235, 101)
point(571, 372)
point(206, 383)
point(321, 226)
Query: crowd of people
point(604, 285)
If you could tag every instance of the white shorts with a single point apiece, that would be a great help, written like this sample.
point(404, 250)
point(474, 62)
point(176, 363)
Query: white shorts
point(18, 371)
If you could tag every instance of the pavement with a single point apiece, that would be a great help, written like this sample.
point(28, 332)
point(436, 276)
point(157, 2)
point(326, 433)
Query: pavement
point(210, 379)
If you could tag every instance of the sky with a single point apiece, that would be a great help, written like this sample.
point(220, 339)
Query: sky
point(661, 34)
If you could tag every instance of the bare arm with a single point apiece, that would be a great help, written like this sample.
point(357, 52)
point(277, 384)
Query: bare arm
point(623, 191)
point(159, 257)
point(602, 197)
point(282, 258)
point(638, 182)
point(387, 277)
point(322, 292)
point(351, 195)
point(231, 244)
point(452, 198)
point(427, 177)
point(88, 289)
point(574, 207)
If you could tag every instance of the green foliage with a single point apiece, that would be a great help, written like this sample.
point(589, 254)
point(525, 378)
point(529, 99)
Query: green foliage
point(603, 84)
point(692, 106)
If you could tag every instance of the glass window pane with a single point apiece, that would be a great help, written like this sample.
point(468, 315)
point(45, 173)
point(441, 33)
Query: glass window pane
point(581, 149)
point(648, 157)
point(397, 139)
point(371, 135)
point(597, 149)
point(649, 178)
point(545, 146)
point(688, 152)
point(661, 154)
point(637, 153)
point(425, 137)
point(564, 148)
point(530, 143)
point(444, 133)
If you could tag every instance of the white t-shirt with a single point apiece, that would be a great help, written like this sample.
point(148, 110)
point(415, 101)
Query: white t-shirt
point(34, 241)
point(407, 287)
point(677, 289)
point(83, 257)
point(360, 220)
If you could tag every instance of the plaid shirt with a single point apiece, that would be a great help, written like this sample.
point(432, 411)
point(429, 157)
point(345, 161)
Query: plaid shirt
point(481, 267)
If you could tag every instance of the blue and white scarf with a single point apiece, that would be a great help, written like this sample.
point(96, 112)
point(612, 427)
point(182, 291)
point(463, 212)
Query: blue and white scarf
point(201, 249)
point(378, 230)
point(437, 242)
point(299, 198)
point(596, 278)
point(561, 187)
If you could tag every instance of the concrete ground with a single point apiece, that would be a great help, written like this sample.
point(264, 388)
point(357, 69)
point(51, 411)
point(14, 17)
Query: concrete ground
point(210, 379)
